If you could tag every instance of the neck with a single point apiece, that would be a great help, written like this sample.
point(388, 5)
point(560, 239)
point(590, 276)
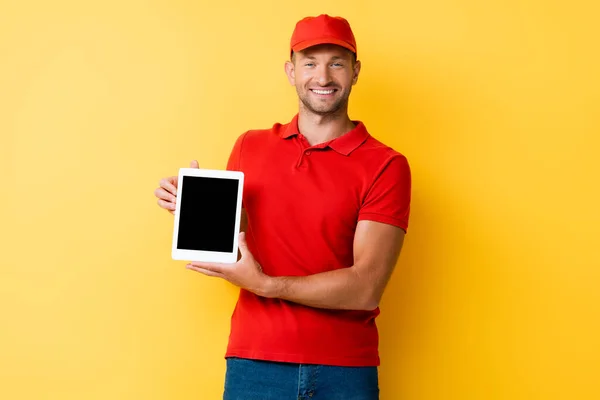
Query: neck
point(317, 128)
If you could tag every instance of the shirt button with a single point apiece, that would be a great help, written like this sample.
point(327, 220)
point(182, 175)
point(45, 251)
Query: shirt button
point(308, 153)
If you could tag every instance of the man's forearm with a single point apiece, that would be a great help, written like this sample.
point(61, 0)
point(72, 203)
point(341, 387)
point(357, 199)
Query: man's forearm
point(338, 289)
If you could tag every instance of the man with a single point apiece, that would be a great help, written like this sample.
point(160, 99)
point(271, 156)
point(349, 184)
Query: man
point(326, 208)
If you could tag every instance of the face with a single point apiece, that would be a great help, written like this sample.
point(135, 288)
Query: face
point(323, 76)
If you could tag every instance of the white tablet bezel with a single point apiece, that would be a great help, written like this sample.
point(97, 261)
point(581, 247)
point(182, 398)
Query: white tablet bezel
point(200, 255)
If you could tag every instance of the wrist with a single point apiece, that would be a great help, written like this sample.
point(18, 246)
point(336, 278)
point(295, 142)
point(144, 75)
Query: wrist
point(269, 287)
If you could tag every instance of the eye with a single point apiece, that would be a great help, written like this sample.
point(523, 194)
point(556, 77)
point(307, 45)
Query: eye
point(309, 64)
point(338, 64)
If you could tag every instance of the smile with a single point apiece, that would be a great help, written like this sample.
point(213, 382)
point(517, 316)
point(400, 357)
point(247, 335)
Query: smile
point(324, 92)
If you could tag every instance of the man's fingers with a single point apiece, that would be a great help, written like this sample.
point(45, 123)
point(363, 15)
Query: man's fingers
point(194, 164)
point(166, 205)
point(165, 199)
point(169, 184)
point(164, 195)
point(214, 267)
point(205, 271)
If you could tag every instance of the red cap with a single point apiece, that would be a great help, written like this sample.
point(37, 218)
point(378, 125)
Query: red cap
point(323, 29)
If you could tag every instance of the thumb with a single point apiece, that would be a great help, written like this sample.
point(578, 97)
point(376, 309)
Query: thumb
point(194, 164)
point(242, 244)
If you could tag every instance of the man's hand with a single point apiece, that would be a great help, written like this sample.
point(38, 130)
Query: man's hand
point(246, 273)
point(167, 191)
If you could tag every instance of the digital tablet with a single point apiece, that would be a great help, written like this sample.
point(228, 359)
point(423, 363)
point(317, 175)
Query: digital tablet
point(207, 215)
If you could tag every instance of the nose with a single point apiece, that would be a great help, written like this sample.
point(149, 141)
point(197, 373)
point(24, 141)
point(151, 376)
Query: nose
point(323, 75)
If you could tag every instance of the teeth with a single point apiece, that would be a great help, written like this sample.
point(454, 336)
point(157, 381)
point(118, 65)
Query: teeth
point(323, 91)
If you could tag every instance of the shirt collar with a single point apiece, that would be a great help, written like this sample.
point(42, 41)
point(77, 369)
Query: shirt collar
point(344, 144)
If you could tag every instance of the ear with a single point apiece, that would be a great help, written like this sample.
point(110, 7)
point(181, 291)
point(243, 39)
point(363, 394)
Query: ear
point(289, 71)
point(356, 71)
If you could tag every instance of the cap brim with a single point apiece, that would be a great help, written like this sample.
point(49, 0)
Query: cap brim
point(309, 43)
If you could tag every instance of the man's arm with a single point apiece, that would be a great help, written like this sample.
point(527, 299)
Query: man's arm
point(359, 287)
point(376, 249)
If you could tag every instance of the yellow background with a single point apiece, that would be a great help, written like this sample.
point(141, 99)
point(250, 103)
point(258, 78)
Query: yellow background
point(495, 104)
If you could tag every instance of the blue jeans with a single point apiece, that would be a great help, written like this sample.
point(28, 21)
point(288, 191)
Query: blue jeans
point(264, 380)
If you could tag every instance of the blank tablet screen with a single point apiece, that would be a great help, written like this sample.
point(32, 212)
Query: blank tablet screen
point(207, 214)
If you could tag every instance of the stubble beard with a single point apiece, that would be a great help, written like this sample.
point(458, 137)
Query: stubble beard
point(339, 104)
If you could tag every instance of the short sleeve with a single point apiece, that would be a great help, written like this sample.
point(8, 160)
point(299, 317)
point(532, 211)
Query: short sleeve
point(388, 199)
point(234, 161)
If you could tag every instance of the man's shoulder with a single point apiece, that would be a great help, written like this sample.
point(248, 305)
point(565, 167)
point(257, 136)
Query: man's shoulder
point(374, 147)
point(258, 134)
point(276, 129)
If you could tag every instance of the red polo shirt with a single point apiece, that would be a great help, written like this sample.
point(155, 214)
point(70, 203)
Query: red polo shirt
point(303, 204)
